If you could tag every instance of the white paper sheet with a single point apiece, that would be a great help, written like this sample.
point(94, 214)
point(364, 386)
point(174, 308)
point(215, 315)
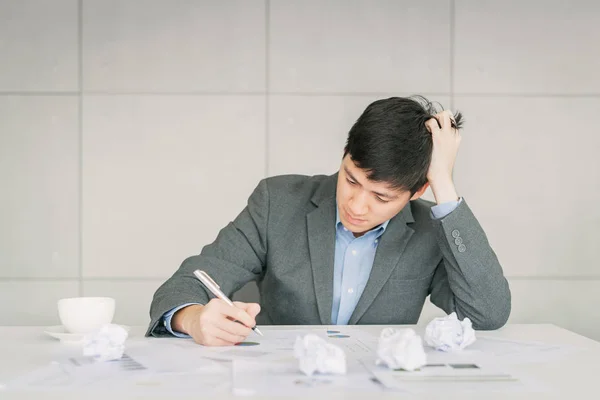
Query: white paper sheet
point(279, 344)
point(127, 375)
point(168, 358)
point(73, 373)
point(514, 352)
point(285, 378)
point(278, 373)
point(449, 378)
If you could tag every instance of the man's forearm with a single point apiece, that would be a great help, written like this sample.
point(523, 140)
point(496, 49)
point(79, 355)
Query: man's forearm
point(473, 283)
point(443, 190)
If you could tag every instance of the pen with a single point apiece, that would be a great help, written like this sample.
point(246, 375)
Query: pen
point(215, 289)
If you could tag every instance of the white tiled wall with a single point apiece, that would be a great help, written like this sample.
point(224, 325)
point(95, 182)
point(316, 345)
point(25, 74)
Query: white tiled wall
point(360, 46)
point(171, 46)
point(526, 47)
point(39, 46)
point(132, 297)
point(27, 302)
point(131, 131)
point(155, 171)
point(530, 168)
point(39, 171)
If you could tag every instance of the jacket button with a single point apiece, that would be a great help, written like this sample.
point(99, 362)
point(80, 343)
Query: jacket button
point(462, 248)
point(455, 233)
point(458, 241)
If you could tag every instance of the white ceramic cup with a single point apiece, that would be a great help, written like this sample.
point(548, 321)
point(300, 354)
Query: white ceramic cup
point(85, 314)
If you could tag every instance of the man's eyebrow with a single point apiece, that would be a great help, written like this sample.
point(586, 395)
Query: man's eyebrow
point(391, 197)
point(350, 174)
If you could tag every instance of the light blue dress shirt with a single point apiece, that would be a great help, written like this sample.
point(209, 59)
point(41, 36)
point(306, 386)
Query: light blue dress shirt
point(353, 262)
point(352, 267)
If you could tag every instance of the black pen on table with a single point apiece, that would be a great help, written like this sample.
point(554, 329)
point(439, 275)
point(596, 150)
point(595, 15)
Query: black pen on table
point(215, 289)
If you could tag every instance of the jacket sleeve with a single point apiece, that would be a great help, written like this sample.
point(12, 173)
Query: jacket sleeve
point(469, 279)
point(236, 257)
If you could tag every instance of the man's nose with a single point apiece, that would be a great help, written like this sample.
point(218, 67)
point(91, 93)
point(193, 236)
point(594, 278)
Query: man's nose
point(358, 204)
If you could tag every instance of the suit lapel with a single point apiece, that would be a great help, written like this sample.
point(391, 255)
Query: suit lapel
point(390, 248)
point(321, 242)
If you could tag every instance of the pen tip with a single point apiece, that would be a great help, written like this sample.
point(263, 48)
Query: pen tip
point(258, 331)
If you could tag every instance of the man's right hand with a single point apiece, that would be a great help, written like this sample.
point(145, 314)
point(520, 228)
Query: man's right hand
point(213, 324)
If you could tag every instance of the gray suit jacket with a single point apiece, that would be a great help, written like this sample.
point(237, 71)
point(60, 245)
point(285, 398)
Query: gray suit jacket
point(285, 240)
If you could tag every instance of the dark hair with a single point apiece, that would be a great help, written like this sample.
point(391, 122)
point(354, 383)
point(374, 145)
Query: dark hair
point(391, 142)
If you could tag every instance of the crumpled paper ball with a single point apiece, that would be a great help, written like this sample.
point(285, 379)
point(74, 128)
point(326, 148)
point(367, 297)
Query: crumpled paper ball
point(107, 344)
point(401, 348)
point(315, 354)
point(449, 333)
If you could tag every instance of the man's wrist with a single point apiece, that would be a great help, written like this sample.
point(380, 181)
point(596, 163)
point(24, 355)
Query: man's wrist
point(180, 318)
point(443, 190)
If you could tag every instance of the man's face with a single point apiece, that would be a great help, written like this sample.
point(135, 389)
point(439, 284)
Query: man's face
point(363, 204)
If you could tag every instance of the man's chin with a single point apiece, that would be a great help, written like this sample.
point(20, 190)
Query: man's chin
point(357, 229)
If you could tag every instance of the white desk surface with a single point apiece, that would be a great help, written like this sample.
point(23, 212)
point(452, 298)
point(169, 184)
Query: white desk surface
point(576, 375)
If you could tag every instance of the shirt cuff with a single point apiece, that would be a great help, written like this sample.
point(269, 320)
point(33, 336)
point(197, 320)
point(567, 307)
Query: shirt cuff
point(441, 210)
point(166, 320)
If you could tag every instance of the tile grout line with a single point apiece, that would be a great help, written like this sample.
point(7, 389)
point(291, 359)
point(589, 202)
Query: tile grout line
point(173, 93)
point(80, 128)
point(88, 279)
point(48, 93)
point(566, 278)
point(267, 86)
point(305, 94)
point(451, 67)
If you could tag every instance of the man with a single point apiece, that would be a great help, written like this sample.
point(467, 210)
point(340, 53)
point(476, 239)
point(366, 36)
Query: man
point(357, 247)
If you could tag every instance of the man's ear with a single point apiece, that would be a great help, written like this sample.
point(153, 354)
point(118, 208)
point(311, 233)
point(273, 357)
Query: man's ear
point(420, 192)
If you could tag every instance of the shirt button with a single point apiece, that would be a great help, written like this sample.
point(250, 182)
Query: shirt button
point(354, 252)
point(376, 240)
point(350, 290)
